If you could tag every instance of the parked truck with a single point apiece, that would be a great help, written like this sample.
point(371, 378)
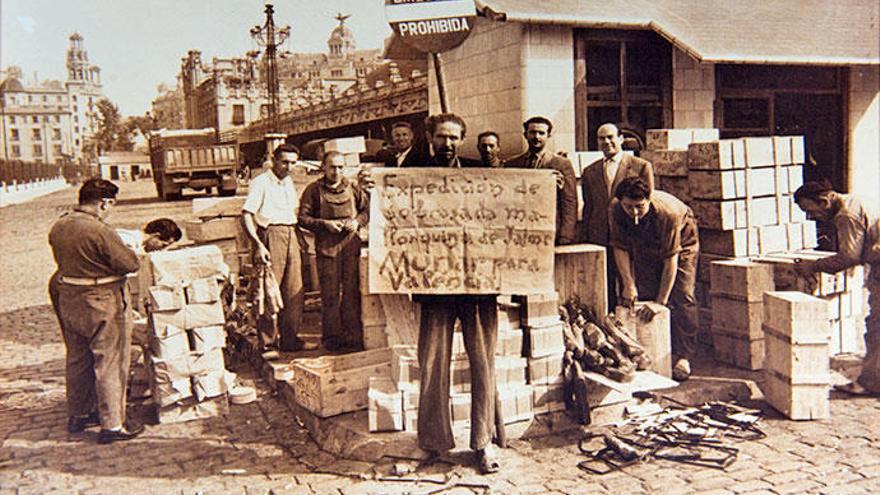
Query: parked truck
point(192, 158)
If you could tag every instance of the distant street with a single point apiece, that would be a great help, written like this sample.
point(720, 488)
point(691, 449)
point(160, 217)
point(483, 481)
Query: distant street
point(260, 448)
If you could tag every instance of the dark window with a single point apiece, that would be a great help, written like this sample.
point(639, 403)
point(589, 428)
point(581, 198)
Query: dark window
point(36, 134)
point(13, 134)
point(35, 119)
point(12, 119)
point(38, 150)
point(237, 114)
point(56, 134)
point(623, 77)
point(56, 149)
point(16, 150)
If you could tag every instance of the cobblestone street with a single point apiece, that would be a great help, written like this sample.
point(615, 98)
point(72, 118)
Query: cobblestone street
point(262, 448)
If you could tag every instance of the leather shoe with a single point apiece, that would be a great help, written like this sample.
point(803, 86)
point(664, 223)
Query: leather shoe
point(126, 433)
point(78, 424)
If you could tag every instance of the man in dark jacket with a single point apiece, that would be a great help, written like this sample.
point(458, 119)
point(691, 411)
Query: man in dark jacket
point(334, 209)
point(537, 130)
point(599, 183)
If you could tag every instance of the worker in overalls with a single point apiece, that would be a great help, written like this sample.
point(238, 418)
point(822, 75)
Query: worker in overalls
point(334, 209)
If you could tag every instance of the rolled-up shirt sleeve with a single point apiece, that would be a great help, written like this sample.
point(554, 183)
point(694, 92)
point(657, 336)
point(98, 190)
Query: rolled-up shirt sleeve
point(254, 200)
point(850, 243)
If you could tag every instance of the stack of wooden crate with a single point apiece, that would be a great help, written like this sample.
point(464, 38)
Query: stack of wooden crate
point(796, 373)
point(544, 348)
point(219, 223)
point(387, 319)
point(667, 150)
point(393, 401)
point(185, 352)
point(737, 296)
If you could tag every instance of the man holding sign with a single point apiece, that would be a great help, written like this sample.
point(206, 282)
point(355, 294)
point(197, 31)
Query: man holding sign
point(479, 325)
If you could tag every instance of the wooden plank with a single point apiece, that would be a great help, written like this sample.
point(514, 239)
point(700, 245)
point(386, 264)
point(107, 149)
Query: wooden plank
point(738, 350)
point(401, 319)
point(798, 402)
point(654, 335)
point(666, 162)
point(741, 279)
point(801, 317)
point(716, 155)
point(739, 213)
point(737, 317)
point(580, 271)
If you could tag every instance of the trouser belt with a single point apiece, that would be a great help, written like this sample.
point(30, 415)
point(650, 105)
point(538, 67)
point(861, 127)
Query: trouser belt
point(88, 281)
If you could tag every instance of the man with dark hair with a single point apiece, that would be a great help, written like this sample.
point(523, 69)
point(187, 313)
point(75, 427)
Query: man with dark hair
point(89, 295)
point(537, 130)
point(654, 236)
point(858, 242)
point(269, 217)
point(406, 153)
point(599, 182)
point(158, 234)
point(489, 147)
point(334, 208)
point(478, 315)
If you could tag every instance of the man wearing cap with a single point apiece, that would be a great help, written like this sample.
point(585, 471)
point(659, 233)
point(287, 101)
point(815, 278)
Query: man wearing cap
point(858, 242)
point(537, 131)
point(599, 183)
point(90, 298)
point(269, 217)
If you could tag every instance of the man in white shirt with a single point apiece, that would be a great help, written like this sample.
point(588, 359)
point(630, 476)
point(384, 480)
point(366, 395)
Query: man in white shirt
point(269, 216)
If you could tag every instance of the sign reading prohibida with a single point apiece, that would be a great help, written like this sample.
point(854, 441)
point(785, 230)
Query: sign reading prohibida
point(462, 231)
point(431, 26)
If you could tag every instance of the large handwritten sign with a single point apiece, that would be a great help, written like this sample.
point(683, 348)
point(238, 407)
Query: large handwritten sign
point(462, 231)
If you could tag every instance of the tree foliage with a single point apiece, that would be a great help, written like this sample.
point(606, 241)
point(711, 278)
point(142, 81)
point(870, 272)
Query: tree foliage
point(112, 133)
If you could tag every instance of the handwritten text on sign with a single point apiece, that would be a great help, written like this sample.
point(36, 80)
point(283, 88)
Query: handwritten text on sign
point(462, 231)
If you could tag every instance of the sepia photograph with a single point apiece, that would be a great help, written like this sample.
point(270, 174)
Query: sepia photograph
point(515, 247)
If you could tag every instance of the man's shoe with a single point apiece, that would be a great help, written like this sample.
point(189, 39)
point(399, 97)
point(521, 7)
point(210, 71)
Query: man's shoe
point(126, 433)
point(78, 424)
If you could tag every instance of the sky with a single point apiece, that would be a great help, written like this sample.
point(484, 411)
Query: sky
point(139, 43)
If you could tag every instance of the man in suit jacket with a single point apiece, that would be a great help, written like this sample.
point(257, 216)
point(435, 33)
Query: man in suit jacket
point(537, 130)
point(599, 182)
point(407, 154)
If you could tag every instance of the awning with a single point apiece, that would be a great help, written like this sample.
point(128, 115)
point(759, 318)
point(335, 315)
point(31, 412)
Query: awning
point(807, 32)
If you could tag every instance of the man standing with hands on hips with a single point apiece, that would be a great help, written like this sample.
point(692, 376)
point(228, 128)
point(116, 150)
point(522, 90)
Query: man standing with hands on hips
point(269, 216)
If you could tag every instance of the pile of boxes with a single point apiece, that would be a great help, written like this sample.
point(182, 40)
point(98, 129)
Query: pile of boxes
point(544, 349)
point(393, 402)
point(796, 376)
point(219, 223)
point(185, 361)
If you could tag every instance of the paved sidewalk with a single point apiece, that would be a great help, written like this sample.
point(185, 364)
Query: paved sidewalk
point(260, 448)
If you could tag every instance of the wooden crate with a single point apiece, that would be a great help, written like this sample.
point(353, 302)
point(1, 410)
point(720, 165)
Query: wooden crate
point(548, 398)
point(740, 183)
point(676, 186)
point(545, 370)
point(214, 206)
point(667, 163)
point(580, 271)
point(801, 362)
point(798, 402)
point(678, 139)
point(759, 151)
point(717, 155)
point(799, 316)
point(654, 335)
point(544, 341)
point(741, 279)
point(741, 213)
point(385, 408)
point(202, 231)
point(538, 310)
point(746, 242)
point(737, 317)
point(738, 350)
point(331, 385)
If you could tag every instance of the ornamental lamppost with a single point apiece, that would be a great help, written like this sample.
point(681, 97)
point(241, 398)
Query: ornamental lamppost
point(271, 37)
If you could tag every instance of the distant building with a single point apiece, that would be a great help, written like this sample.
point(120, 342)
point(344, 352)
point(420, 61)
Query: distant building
point(167, 108)
point(124, 165)
point(49, 121)
point(230, 93)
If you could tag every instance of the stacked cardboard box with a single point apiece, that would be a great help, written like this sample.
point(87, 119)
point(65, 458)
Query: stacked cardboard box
point(796, 372)
point(737, 296)
point(219, 223)
point(545, 348)
point(186, 340)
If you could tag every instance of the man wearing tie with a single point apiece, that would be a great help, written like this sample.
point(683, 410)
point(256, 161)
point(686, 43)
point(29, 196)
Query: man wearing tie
point(406, 154)
point(599, 183)
point(537, 131)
